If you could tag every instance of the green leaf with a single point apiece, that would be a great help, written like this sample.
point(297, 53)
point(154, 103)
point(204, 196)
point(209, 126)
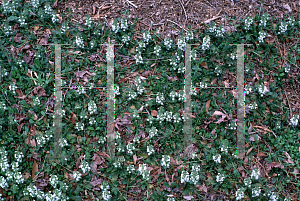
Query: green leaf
point(12, 18)
point(91, 128)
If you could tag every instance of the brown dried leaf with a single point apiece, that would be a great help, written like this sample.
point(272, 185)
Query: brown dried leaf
point(261, 154)
point(26, 175)
point(207, 105)
point(249, 151)
point(274, 165)
point(289, 158)
point(202, 188)
point(134, 159)
point(154, 113)
point(35, 168)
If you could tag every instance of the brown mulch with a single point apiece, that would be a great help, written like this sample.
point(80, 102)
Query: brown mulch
point(161, 14)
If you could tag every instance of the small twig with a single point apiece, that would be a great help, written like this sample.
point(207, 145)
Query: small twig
point(176, 24)
point(288, 103)
point(184, 11)
point(131, 3)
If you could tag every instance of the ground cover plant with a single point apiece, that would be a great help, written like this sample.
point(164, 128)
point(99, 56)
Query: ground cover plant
point(149, 104)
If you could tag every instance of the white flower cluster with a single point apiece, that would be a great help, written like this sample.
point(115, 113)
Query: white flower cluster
point(35, 3)
point(19, 156)
point(150, 119)
point(130, 147)
point(79, 41)
point(168, 42)
point(189, 35)
point(150, 150)
point(77, 175)
point(203, 85)
point(105, 191)
point(54, 18)
point(54, 180)
point(4, 73)
point(174, 61)
point(132, 95)
point(177, 118)
point(185, 177)
point(117, 89)
point(3, 160)
point(63, 142)
point(36, 101)
point(7, 29)
point(3, 182)
point(262, 89)
point(291, 20)
point(181, 43)
point(232, 125)
point(160, 98)
point(282, 27)
point(161, 116)
point(193, 54)
point(101, 140)
point(157, 50)
point(218, 70)
point(85, 166)
point(264, 19)
point(224, 148)
point(206, 43)
point(115, 26)
point(79, 126)
point(217, 31)
point(255, 173)
point(247, 182)
point(181, 95)
point(146, 36)
point(294, 120)
point(126, 39)
point(248, 22)
point(256, 191)
point(13, 88)
point(88, 22)
point(170, 199)
point(168, 116)
point(165, 161)
point(217, 158)
point(10, 7)
point(253, 106)
point(144, 172)
point(220, 178)
point(92, 120)
point(48, 9)
point(3, 106)
point(42, 139)
point(92, 44)
point(130, 168)
point(287, 67)
point(135, 114)
point(22, 21)
point(139, 58)
point(152, 132)
point(92, 107)
point(181, 68)
point(139, 85)
point(193, 177)
point(240, 194)
point(262, 35)
point(273, 196)
point(248, 89)
point(124, 24)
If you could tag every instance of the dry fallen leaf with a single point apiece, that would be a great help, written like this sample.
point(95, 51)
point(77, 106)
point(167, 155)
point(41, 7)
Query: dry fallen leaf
point(154, 113)
point(26, 175)
point(207, 105)
point(35, 168)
